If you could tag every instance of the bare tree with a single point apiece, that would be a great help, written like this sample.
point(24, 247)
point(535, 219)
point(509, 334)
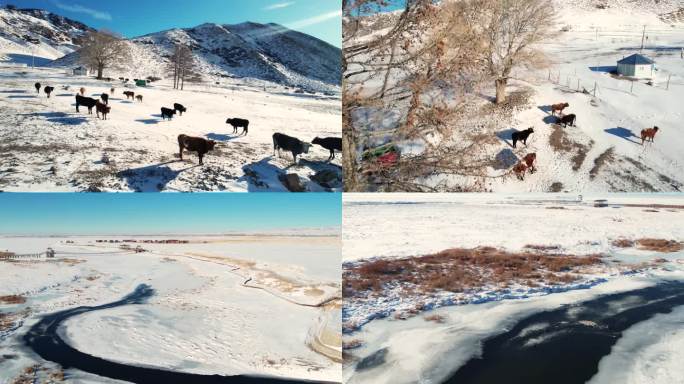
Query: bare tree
point(512, 29)
point(183, 65)
point(103, 49)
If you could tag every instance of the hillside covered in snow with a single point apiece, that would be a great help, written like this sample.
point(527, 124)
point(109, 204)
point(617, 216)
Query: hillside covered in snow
point(48, 36)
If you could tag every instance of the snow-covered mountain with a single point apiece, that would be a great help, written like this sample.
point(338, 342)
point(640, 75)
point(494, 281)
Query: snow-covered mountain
point(35, 31)
point(266, 52)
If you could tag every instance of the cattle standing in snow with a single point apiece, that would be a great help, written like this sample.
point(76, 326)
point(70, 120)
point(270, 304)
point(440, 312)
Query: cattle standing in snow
point(37, 85)
point(86, 102)
point(48, 90)
point(111, 90)
point(195, 144)
point(129, 94)
point(648, 133)
point(289, 143)
point(567, 120)
point(179, 107)
point(529, 161)
point(105, 98)
point(82, 90)
point(330, 143)
point(521, 136)
point(167, 112)
point(103, 109)
point(519, 170)
point(239, 123)
point(558, 107)
point(139, 98)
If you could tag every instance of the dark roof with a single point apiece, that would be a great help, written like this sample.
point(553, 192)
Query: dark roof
point(636, 59)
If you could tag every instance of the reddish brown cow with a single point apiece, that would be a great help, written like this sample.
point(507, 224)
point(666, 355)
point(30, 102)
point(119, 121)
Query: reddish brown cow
point(558, 107)
point(519, 170)
point(648, 133)
point(529, 161)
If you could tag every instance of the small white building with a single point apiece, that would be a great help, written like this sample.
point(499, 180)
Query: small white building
point(81, 71)
point(636, 65)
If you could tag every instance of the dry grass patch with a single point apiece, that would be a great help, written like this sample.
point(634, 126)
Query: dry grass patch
point(601, 161)
point(435, 318)
point(560, 142)
point(460, 269)
point(12, 299)
point(659, 245)
point(623, 243)
point(544, 248)
point(352, 344)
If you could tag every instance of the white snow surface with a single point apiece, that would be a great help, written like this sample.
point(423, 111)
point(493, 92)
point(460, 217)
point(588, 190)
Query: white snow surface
point(203, 318)
point(51, 147)
point(402, 225)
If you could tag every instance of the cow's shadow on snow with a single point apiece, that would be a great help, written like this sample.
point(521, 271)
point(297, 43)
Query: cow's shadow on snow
point(60, 118)
point(148, 121)
point(66, 94)
point(126, 102)
point(545, 108)
point(507, 135)
point(550, 119)
point(21, 97)
point(221, 137)
point(151, 178)
point(505, 159)
point(14, 91)
point(604, 68)
point(623, 133)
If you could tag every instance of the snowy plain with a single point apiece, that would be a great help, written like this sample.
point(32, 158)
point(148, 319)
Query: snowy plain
point(219, 306)
point(51, 147)
point(603, 152)
point(416, 350)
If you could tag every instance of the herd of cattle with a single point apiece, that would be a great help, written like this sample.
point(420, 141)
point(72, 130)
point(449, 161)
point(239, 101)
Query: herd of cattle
point(199, 144)
point(527, 162)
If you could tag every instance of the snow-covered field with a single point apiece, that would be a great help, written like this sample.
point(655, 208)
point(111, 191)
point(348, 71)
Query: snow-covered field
point(221, 306)
point(48, 146)
point(603, 153)
point(387, 350)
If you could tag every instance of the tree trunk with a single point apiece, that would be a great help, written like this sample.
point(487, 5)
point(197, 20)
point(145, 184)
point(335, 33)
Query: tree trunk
point(501, 90)
point(100, 69)
point(349, 153)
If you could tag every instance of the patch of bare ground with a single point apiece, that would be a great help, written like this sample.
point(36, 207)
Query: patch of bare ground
point(623, 243)
point(606, 157)
point(39, 374)
point(560, 142)
point(659, 245)
point(544, 248)
point(460, 269)
point(517, 100)
point(556, 208)
point(352, 344)
point(439, 319)
point(12, 299)
point(556, 187)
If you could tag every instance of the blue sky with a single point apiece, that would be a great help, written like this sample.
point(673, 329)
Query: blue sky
point(142, 213)
point(319, 18)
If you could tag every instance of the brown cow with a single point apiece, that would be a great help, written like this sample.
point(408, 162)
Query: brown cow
point(112, 90)
point(519, 170)
point(195, 144)
point(529, 160)
point(139, 98)
point(648, 133)
point(102, 108)
point(129, 94)
point(82, 90)
point(558, 107)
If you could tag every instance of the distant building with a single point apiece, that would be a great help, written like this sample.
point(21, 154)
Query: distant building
point(636, 65)
point(81, 71)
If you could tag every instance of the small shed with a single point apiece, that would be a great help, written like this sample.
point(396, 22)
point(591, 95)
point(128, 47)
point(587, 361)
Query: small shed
point(81, 71)
point(141, 83)
point(636, 65)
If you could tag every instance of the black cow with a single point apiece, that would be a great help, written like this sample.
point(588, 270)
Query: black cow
point(521, 136)
point(329, 143)
point(129, 95)
point(37, 85)
point(167, 112)
point(105, 98)
point(179, 107)
point(48, 90)
point(567, 119)
point(289, 143)
point(86, 102)
point(239, 123)
point(195, 144)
